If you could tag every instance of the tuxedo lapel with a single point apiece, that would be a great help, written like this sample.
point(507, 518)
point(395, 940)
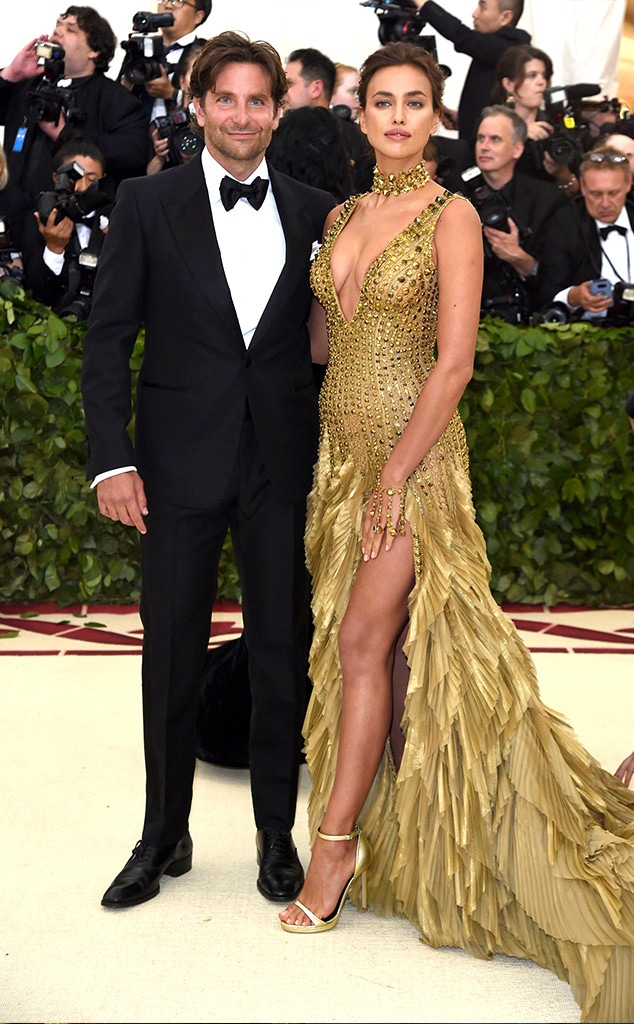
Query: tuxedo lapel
point(294, 225)
point(188, 215)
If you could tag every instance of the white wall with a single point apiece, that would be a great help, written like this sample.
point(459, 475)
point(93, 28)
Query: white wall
point(581, 36)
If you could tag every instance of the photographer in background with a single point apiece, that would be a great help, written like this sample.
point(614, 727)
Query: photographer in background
point(494, 30)
point(54, 242)
point(174, 138)
point(163, 92)
point(552, 153)
point(514, 209)
point(591, 239)
point(40, 117)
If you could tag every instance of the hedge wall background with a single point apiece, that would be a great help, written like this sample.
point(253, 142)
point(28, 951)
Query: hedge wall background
point(552, 466)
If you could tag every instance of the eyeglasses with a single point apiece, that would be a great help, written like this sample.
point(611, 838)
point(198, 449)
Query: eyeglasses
point(174, 3)
point(602, 158)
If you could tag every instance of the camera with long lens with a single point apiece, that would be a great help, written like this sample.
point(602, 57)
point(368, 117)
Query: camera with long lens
point(144, 47)
point(67, 202)
point(183, 140)
point(48, 99)
point(569, 139)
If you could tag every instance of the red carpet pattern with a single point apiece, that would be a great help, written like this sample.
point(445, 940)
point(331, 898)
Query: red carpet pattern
point(115, 629)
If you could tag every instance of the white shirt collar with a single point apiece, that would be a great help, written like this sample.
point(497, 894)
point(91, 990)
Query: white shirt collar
point(622, 220)
point(215, 172)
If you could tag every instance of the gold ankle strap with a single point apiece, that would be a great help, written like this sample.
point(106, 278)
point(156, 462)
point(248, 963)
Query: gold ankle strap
point(336, 839)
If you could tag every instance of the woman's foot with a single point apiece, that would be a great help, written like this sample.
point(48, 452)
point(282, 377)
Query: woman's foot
point(331, 868)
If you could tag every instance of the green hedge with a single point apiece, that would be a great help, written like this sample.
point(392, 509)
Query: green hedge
point(552, 466)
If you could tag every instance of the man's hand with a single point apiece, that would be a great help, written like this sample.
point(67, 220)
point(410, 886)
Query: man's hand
point(122, 498)
point(580, 295)
point(506, 246)
point(25, 64)
point(161, 87)
point(56, 236)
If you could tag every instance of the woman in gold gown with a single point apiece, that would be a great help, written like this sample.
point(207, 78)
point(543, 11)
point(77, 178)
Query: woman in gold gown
point(456, 796)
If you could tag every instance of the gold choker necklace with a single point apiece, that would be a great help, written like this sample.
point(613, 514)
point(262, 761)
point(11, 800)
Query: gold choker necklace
point(404, 181)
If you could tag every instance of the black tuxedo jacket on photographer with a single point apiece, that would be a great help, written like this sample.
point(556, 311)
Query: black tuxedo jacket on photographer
point(485, 49)
point(112, 119)
point(531, 203)
point(572, 250)
point(211, 417)
point(55, 290)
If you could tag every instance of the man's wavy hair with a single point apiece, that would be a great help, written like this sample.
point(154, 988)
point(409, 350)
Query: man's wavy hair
point(236, 48)
point(402, 54)
point(99, 34)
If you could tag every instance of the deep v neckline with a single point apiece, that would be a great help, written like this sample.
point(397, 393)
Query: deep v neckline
point(347, 215)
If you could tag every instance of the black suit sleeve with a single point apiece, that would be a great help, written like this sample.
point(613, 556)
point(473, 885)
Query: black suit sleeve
point(113, 326)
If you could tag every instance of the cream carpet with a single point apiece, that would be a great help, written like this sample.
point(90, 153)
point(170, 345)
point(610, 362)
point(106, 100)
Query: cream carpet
point(209, 947)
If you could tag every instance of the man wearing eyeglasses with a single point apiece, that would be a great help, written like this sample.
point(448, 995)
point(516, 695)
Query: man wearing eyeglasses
point(591, 239)
point(161, 94)
point(38, 119)
point(213, 258)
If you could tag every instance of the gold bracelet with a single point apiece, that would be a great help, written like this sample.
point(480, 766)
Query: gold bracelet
point(390, 527)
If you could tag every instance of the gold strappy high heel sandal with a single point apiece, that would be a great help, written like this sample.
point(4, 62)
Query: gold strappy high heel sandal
point(363, 858)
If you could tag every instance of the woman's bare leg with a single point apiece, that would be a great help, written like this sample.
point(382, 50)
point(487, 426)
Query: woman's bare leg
point(374, 619)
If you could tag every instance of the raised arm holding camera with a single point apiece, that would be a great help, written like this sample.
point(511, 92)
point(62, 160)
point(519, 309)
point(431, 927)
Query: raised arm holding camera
point(61, 94)
point(157, 51)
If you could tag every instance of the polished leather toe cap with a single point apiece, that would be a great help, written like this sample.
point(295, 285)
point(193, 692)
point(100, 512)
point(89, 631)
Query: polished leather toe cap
point(281, 875)
point(140, 876)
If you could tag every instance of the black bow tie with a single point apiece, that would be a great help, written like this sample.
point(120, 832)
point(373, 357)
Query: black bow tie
point(604, 232)
point(232, 190)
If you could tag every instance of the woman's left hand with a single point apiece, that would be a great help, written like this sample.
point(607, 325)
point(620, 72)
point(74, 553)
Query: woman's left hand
point(384, 519)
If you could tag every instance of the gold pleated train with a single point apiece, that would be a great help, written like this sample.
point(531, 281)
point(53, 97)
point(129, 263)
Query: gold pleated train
point(499, 833)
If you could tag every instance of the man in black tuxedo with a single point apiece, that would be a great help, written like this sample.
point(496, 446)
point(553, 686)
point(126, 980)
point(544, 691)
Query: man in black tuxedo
point(225, 438)
point(592, 238)
point(514, 209)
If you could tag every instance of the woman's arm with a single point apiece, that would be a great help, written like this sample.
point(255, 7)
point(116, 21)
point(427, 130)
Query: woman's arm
point(459, 259)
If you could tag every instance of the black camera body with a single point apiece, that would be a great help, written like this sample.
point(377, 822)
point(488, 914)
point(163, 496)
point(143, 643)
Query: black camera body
point(492, 209)
point(8, 254)
point(144, 47)
point(48, 99)
point(67, 202)
point(183, 140)
point(79, 308)
point(567, 144)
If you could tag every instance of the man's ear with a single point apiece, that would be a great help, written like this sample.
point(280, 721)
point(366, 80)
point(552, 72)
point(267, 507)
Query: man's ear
point(198, 110)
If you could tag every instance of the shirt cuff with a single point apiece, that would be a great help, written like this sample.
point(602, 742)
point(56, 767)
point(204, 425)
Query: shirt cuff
point(111, 472)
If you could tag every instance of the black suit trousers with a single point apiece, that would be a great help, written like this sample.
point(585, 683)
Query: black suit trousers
point(180, 556)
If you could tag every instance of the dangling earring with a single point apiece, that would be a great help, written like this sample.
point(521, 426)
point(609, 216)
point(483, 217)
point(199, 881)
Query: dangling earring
point(510, 100)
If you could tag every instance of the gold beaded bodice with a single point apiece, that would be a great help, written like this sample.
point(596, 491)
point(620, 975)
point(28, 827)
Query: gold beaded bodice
point(380, 359)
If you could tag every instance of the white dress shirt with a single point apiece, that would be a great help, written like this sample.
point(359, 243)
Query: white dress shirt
point(253, 252)
point(617, 256)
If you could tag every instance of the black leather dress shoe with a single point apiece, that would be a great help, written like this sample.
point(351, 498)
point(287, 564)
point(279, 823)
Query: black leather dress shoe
point(281, 876)
point(139, 879)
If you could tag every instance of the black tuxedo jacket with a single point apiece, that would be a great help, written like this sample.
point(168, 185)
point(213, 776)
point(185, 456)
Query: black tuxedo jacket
point(485, 49)
point(161, 267)
point(571, 252)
